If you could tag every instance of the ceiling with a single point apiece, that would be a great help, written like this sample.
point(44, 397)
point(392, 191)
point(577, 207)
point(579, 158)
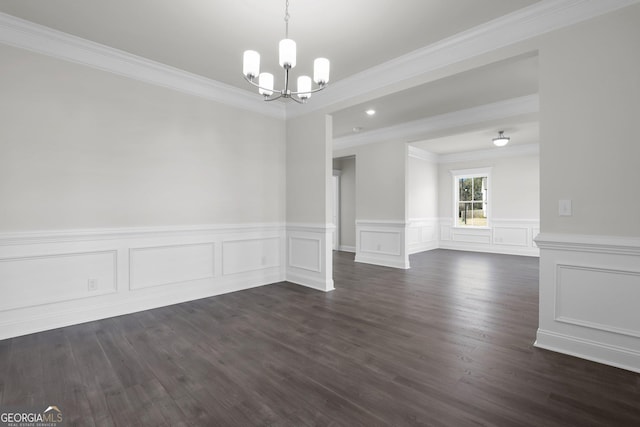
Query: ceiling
point(521, 132)
point(495, 82)
point(207, 38)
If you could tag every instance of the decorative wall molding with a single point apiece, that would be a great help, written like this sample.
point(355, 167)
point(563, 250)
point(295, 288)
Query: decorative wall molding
point(79, 235)
point(38, 38)
point(305, 253)
point(382, 242)
point(621, 291)
point(309, 255)
point(422, 234)
point(589, 288)
point(166, 265)
point(417, 129)
point(56, 279)
point(22, 278)
point(527, 23)
point(345, 248)
point(502, 236)
point(588, 243)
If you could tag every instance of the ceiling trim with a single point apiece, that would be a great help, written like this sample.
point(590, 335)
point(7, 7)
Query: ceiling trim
point(418, 128)
point(419, 153)
point(38, 38)
point(523, 24)
point(492, 153)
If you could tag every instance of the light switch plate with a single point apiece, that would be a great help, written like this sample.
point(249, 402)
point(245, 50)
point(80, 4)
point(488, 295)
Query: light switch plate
point(564, 208)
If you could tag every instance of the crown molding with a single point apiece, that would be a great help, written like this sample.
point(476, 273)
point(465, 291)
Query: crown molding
point(494, 153)
point(418, 128)
point(526, 23)
point(38, 38)
point(421, 154)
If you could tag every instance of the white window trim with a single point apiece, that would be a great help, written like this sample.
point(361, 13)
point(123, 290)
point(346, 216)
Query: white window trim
point(472, 173)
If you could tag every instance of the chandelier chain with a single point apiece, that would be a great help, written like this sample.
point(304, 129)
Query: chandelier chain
point(286, 20)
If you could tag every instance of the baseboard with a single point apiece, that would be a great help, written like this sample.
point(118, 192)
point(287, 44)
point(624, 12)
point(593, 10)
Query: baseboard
point(423, 247)
point(393, 262)
point(118, 305)
point(619, 357)
point(310, 281)
point(492, 249)
point(344, 248)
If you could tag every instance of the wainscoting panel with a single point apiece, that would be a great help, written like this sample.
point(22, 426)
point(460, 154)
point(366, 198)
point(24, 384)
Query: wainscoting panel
point(613, 302)
point(309, 255)
point(512, 236)
point(39, 280)
point(422, 234)
point(589, 293)
point(472, 236)
point(504, 236)
point(164, 265)
point(382, 243)
point(240, 256)
point(305, 253)
point(59, 278)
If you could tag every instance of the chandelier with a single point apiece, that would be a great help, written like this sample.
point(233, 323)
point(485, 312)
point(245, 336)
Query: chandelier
point(287, 59)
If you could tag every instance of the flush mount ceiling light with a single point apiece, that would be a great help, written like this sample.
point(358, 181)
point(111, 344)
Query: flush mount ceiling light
point(371, 112)
point(287, 56)
point(501, 140)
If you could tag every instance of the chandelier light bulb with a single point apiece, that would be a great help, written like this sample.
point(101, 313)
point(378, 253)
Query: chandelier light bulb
point(287, 53)
point(266, 84)
point(251, 64)
point(321, 71)
point(304, 87)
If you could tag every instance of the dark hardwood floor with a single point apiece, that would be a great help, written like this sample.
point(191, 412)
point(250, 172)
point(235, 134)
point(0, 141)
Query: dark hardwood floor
point(447, 343)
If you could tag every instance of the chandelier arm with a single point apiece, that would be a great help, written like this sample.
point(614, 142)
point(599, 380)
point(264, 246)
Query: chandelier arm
point(312, 91)
point(258, 86)
point(273, 99)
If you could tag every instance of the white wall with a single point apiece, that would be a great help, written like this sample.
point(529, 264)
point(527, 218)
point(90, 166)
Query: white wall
point(119, 196)
point(422, 183)
point(423, 187)
point(590, 261)
point(83, 149)
point(381, 203)
point(590, 104)
point(515, 185)
point(514, 200)
point(310, 201)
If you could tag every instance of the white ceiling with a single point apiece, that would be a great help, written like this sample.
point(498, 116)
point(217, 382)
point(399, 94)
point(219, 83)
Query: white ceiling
point(520, 132)
point(207, 37)
point(499, 81)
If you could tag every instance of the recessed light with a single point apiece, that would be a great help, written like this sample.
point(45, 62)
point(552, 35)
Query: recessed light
point(371, 112)
point(357, 129)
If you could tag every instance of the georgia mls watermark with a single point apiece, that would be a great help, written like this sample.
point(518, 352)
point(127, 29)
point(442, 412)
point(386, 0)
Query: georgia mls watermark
point(49, 416)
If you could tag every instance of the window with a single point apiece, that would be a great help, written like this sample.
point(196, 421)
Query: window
point(471, 196)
